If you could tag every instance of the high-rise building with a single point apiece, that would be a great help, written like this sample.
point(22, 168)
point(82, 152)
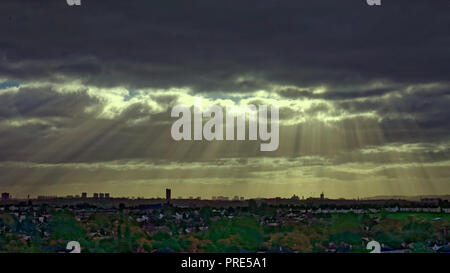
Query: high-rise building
point(102, 195)
point(95, 195)
point(168, 194)
point(83, 195)
point(107, 195)
point(6, 196)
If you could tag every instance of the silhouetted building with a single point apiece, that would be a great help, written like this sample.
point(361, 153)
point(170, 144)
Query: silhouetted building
point(102, 195)
point(83, 195)
point(95, 195)
point(431, 201)
point(107, 195)
point(168, 194)
point(322, 196)
point(6, 196)
point(47, 197)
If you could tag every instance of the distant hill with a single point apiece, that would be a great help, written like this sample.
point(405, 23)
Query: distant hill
point(405, 197)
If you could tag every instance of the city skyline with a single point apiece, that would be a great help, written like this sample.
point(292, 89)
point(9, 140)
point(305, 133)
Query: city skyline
point(298, 196)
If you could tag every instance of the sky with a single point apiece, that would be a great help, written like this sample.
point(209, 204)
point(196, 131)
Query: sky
point(86, 94)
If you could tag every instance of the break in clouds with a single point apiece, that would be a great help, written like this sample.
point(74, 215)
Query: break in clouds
point(363, 94)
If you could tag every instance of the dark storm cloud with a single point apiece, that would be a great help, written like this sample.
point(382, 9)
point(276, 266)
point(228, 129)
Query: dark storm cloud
point(425, 108)
point(208, 45)
point(334, 94)
point(44, 102)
